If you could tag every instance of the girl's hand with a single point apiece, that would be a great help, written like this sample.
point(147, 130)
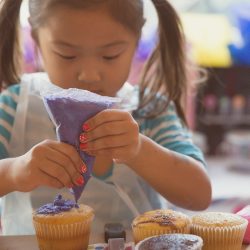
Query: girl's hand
point(49, 163)
point(111, 132)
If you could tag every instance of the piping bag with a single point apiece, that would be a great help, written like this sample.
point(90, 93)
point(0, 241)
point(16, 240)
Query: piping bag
point(69, 109)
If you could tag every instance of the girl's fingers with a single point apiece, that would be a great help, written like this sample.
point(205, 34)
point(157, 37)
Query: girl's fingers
point(106, 129)
point(106, 142)
point(68, 151)
point(51, 181)
point(63, 161)
point(57, 172)
point(105, 116)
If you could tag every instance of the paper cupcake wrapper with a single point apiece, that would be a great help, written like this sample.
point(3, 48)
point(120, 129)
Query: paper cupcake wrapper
point(218, 238)
point(73, 236)
point(143, 233)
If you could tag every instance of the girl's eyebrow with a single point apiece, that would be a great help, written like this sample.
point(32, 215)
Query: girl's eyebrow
point(66, 44)
point(115, 43)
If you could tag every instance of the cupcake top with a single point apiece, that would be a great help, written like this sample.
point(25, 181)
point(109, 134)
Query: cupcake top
point(171, 242)
point(62, 211)
point(162, 217)
point(59, 205)
point(217, 219)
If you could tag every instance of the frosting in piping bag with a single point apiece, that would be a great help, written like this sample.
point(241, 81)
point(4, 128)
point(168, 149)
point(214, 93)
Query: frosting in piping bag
point(69, 109)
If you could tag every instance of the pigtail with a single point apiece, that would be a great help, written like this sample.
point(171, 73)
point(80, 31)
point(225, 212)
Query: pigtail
point(10, 52)
point(165, 70)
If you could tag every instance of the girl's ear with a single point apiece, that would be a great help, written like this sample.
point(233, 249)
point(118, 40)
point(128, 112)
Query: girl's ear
point(33, 33)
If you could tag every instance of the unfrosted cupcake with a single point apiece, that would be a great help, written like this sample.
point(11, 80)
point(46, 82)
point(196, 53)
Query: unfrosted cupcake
point(158, 222)
point(63, 225)
point(219, 231)
point(171, 242)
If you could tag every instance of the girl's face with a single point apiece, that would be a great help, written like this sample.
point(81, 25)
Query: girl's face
point(86, 49)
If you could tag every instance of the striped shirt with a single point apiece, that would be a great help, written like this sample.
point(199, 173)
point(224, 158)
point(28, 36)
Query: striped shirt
point(165, 129)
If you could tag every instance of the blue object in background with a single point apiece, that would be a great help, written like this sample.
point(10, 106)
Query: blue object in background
point(240, 52)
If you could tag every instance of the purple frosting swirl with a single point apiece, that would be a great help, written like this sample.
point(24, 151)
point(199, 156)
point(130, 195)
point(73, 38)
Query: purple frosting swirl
point(59, 205)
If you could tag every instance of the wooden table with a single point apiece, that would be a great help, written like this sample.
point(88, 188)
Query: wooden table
point(30, 243)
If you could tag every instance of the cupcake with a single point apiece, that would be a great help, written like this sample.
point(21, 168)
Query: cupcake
point(63, 225)
point(219, 231)
point(157, 222)
point(171, 242)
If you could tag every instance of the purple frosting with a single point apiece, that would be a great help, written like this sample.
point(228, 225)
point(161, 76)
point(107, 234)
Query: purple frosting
point(69, 109)
point(59, 205)
point(171, 242)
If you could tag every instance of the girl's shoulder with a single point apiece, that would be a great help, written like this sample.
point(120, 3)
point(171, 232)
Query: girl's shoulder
point(158, 103)
point(10, 95)
point(8, 104)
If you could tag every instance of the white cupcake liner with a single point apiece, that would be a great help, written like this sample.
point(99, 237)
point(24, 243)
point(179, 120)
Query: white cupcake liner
point(61, 231)
point(221, 238)
point(142, 233)
point(74, 236)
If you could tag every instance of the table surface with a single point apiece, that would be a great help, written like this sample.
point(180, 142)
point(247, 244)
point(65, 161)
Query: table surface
point(29, 242)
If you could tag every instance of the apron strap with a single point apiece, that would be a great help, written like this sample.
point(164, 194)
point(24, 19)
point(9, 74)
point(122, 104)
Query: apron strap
point(19, 124)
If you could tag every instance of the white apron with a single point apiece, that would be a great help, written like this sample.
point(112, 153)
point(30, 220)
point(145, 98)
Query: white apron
point(118, 199)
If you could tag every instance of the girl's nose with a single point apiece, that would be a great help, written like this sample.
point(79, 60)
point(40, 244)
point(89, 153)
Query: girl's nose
point(89, 76)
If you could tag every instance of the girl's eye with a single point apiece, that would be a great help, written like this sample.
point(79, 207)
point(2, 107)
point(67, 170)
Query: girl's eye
point(109, 58)
point(67, 57)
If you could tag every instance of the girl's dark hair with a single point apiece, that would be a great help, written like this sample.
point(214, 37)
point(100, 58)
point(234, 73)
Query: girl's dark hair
point(10, 53)
point(164, 72)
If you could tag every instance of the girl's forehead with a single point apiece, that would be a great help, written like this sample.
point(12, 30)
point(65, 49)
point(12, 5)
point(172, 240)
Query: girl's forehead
point(84, 19)
point(89, 25)
point(104, 18)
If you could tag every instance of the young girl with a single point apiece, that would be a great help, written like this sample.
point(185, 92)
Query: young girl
point(89, 44)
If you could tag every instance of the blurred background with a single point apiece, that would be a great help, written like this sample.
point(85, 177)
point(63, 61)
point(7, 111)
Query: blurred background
point(218, 109)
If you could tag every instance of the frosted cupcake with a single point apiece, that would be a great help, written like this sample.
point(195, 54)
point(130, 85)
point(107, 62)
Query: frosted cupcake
point(63, 225)
point(158, 222)
point(171, 242)
point(219, 231)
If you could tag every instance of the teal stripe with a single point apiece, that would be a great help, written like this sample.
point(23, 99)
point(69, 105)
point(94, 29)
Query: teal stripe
point(186, 148)
point(166, 130)
point(7, 117)
point(3, 152)
point(5, 133)
point(171, 137)
point(156, 122)
point(142, 127)
point(8, 101)
point(14, 89)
